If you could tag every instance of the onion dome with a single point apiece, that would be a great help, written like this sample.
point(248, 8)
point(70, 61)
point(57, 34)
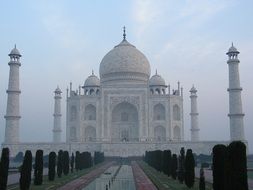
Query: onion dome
point(57, 90)
point(124, 62)
point(193, 89)
point(15, 52)
point(156, 80)
point(233, 50)
point(92, 81)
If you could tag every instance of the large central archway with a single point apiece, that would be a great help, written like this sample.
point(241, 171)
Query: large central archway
point(125, 124)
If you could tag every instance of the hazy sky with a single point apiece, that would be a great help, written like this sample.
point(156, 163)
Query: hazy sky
point(62, 41)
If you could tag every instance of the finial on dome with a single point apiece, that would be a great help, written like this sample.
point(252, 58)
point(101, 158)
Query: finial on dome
point(92, 72)
point(156, 72)
point(15, 46)
point(232, 44)
point(124, 33)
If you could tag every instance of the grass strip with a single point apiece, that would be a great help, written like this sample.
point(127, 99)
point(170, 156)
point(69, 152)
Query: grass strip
point(58, 182)
point(163, 182)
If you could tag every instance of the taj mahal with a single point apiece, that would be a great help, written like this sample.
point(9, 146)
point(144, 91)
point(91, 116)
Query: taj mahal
point(125, 111)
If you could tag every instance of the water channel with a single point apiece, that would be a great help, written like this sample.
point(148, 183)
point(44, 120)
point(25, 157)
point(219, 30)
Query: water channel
point(118, 177)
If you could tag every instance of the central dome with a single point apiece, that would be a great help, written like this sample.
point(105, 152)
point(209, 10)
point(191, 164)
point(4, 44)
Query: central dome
point(124, 62)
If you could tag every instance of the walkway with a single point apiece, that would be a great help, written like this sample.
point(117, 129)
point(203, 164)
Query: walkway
point(142, 182)
point(83, 181)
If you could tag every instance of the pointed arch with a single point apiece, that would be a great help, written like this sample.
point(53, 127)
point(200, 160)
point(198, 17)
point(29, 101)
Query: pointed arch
point(73, 113)
point(176, 112)
point(160, 133)
point(159, 112)
point(176, 133)
point(90, 112)
point(90, 133)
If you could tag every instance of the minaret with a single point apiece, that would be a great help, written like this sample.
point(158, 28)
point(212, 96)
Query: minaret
point(12, 116)
point(57, 116)
point(194, 115)
point(235, 103)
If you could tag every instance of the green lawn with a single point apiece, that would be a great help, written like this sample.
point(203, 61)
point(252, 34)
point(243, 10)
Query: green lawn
point(164, 182)
point(50, 185)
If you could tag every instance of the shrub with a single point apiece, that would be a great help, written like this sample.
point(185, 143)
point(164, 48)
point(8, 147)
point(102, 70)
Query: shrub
point(181, 164)
point(174, 166)
point(38, 169)
point(220, 167)
point(65, 163)
point(51, 166)
point(59, 163)
point(166, 162)
point(202, 183)
point(25, 171)
point(189, 169)
point(4, 167)
point(72, 162)
point(237, 166)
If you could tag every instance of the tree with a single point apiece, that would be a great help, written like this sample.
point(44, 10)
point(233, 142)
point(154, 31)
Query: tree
point(59, 163)
point(26, 170)
point(72, 162)
point(38, 168)
point(65, 162)
point(181, 164)
point(174, 166)
point(158, 160)
point(220, 167)
point(202, 183)
point(77, 161)
point(166, 162)
point(51, 166)
point(4, 167)
point(189, 169)
point(237, 166)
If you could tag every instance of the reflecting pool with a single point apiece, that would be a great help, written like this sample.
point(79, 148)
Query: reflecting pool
point(118, 177)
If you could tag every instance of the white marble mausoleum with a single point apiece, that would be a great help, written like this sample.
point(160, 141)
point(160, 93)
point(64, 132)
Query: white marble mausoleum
point(123, 112)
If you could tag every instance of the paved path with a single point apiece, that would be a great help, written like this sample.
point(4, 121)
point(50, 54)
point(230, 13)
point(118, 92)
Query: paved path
point(209, 177)
point(83, 181)
point(142, 181)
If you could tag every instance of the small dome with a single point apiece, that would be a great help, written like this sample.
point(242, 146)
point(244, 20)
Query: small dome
point(124, 62)
point(92, 80)
point(15, 51)
point(58, 90)
point(156, 80)
point(232, 49)
point(193, 89)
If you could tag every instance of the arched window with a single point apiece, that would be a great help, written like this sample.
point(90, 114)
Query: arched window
point(90, 112)
point(151, 91)
point(176, 133)
point(73, 113)
point(97, 92)
point(124, 116)
point(159, 112)
point(90, 133)
point(160, 133)
point(157, 91)
point(92, 91)
point(176, 112)
point(72, 133)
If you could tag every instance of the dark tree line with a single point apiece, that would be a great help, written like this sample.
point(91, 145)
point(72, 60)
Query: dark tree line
point(59, 164)
point(98, 157)
point(181, 167)
point(230, 167)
